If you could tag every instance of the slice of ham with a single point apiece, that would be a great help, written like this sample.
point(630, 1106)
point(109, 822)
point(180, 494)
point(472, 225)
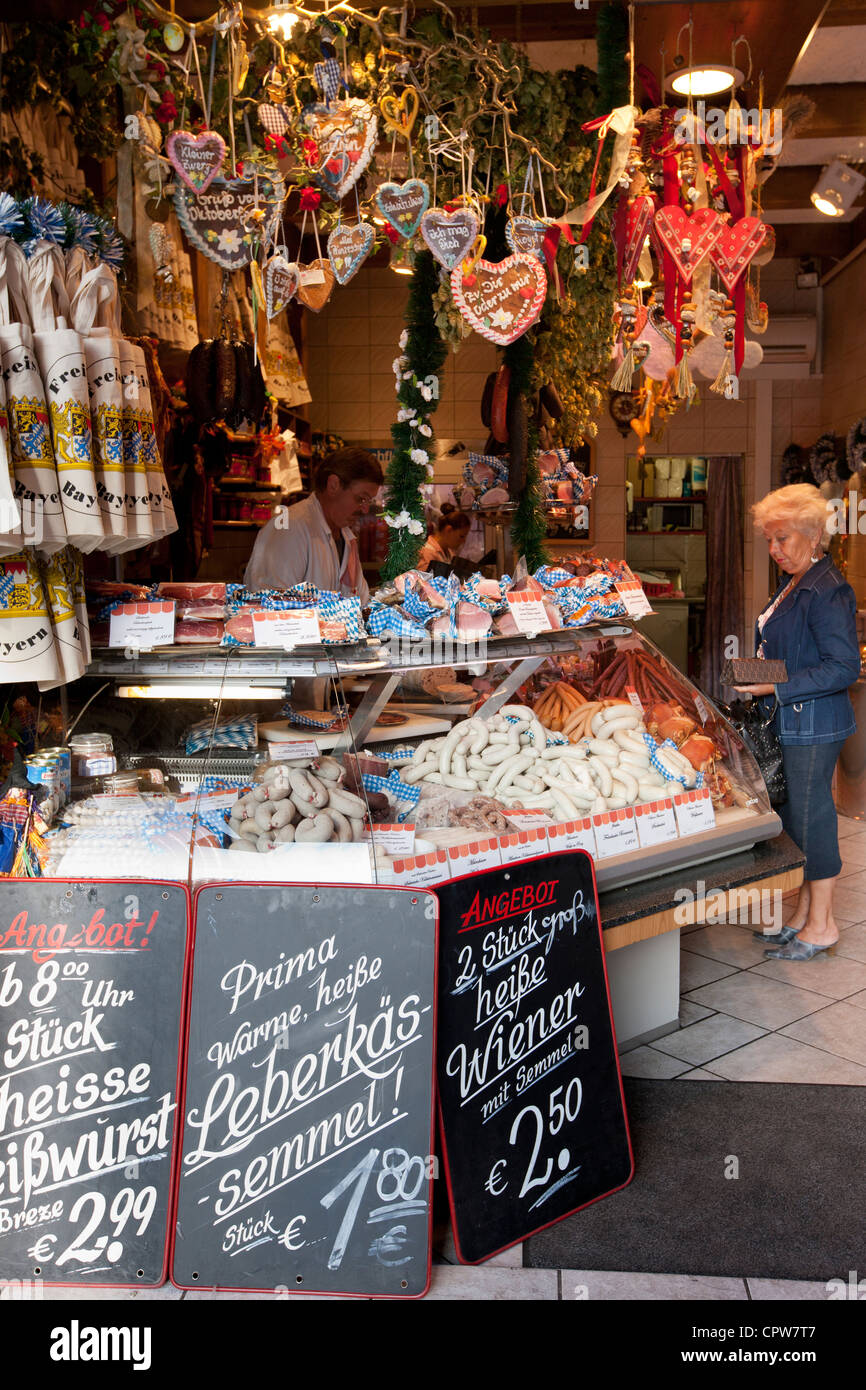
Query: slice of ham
point(188, 633)
point(193, 591)
point(472, 622)
point(240, 626)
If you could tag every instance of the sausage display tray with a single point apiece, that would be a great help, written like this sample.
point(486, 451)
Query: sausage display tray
point(377, 673)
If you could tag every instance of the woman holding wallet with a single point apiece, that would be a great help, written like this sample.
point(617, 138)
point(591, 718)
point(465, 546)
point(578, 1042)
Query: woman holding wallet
point(809, 624)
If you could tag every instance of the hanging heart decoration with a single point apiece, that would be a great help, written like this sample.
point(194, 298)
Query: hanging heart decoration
point(276, 119)
point(638, 220)
point(281, 280)
point(216, 221)
point(687, 238)
point(197, 159)
point(345, 135)
point(399, 113)
point(469, 263)
point(348, 248)
point(735, 247)
point(317, 282)
point(525, 235)
point(449, 235)
point(403, 204)
point(500, 301)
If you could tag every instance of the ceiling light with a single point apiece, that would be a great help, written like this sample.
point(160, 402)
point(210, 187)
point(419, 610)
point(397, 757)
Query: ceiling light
point(837, 189)
point(280, 19)
point(704, 81)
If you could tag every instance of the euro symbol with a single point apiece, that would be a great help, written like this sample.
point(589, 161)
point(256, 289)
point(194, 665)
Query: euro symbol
point(42, 1250)
point(494, 1178)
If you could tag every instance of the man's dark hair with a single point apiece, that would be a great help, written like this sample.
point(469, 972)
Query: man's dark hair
point(350, 466)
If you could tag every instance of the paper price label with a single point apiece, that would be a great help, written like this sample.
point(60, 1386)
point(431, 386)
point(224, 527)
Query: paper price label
point(615, 832)
point(523, 844)
point(291, 750)
point(208, 801)
point(703, 712)
point(142, 625)
point(656, 822)
point(476, 854)
point(393, 839)
point(528, 612)
point(634, 698)
point(286, 630)
point(529, 819)
point(637, 605)
point(421, 870)
point(572, 834)
point(312, 275)
point(694, 811)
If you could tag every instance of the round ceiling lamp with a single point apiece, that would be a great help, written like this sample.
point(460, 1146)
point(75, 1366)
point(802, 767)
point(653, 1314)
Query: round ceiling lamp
point(704, 81)
point(837, 189)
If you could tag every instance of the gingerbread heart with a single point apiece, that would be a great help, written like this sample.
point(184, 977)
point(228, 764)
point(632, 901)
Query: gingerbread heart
point(222, 221)
point(280, 279)
point(688, 238)
point(317, 284)
point(348, 248)
point(638, 218)
point(404, 204)
point(449, 235)
point(503, 299)
point(526, 235)
point(399, 113)
point(196, 158)
point(735, 247)
point(345, 135)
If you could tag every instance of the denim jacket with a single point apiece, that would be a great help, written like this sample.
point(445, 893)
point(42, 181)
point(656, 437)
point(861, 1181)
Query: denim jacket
point(814, 632)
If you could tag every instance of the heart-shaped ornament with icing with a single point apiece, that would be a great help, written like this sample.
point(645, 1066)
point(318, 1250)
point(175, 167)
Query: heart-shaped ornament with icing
point(196, 158)
point(638, 220)
point(449, 235)
point(345, 135)
point(526, 235)
point(348, 248)
point(403, 204)
point(215, 221)
point(317, 281)
point(504, 298)
point(687, 238)
point(280, 279)
point(399, 113)
point(735, 247)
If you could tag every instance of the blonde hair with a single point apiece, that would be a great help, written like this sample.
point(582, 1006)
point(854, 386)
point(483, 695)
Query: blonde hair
point(800, 505)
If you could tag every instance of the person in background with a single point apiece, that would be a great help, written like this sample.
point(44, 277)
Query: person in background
point(810, 624)
point(445, 539)
point(314, 541)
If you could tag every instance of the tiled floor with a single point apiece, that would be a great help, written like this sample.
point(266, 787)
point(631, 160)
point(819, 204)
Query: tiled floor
point(742, 1018)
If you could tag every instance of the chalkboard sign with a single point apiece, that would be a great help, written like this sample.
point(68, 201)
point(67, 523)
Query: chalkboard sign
point(91, 998)
point(530, 1095)
point(309, 1103)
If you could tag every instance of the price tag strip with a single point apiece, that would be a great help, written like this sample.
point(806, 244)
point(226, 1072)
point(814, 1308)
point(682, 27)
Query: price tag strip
point(656, 822)
point(528, 611)
point(530, 1096)
point(298, 627)
point(92, 982)
point(293, 749)
point(143, 625)
point(308, 1125)
point(631, 591)
point(694, 811)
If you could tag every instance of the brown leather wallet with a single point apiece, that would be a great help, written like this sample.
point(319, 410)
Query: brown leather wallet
point(753, 670)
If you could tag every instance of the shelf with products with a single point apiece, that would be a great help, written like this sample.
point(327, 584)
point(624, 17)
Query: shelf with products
point(515, 686)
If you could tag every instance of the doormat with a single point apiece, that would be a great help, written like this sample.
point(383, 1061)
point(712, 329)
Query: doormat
point(739, 1179)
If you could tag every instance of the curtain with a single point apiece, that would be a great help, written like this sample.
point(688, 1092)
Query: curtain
point(724, 611)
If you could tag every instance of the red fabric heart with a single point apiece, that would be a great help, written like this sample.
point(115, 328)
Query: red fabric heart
point(702, 229)
point(735, 248)
point(637, 223)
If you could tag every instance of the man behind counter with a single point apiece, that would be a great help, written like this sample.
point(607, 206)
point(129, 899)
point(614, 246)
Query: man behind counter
point(313, 541)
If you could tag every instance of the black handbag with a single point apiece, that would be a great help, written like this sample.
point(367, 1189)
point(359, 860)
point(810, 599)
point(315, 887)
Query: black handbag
point(761, 740)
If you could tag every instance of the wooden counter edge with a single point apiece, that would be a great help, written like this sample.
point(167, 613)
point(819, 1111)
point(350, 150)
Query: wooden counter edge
point(688, 914)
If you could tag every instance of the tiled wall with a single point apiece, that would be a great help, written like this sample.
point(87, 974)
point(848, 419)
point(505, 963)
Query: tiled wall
point(351, 346)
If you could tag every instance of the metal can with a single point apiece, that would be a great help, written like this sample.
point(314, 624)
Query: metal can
point(42, 771)
point(62, 757)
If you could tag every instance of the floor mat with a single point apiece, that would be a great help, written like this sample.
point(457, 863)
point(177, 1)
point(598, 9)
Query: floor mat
point(738, 1179)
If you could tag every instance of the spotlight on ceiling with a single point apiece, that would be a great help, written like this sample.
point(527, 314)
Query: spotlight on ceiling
point(704, 81)
point(837, 189)
point(280, 19)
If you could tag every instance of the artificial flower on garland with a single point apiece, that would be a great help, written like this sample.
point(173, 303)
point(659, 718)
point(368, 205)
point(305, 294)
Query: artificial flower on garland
point(422, 353)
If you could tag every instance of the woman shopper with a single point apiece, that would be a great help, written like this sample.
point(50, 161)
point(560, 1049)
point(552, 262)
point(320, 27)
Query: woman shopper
point(445, 539)
point(809, 624)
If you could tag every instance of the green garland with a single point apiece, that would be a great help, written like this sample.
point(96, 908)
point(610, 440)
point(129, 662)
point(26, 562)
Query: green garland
point(529, 527)
point(423, 354)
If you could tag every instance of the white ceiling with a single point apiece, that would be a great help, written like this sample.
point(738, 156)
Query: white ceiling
point(806, 151)
point(835, 54)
